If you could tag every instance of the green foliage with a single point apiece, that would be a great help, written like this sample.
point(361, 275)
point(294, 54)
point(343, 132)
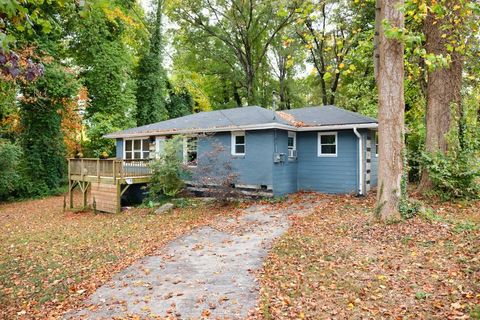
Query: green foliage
point(409, 208)
point(180, 101)
point(21, 19)
point(465, 226)
point(99, 125)
point(42, 140)
point(454, 175)
point(107, 62)
point(339, 38)
point(8, 109)
point(10, 156)
point(420, 295)
point(475, 313)
point(152, 78)
point(167, 171)
point(235, 44)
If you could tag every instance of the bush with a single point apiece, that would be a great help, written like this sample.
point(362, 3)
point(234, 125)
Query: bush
point(167, 171)
point(454, 175)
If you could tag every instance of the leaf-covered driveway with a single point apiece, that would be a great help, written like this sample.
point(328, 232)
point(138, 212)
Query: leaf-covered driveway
point(51, 260)
point(207, 273)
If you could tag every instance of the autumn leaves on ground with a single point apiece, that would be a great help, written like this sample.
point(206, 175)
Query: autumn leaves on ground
point(334, 263)
point(50, 260)
point(339, 264)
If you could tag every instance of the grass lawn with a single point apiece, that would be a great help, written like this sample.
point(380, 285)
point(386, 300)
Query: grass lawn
point(50, 260)
point(339, 264)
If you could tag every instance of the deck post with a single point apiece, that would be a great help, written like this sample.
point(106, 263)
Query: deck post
point(98, 170)
point(114, 172)
point(70, 193)
point(81, 168)
point(121, 169)
point(85, 189)
point(119, 198)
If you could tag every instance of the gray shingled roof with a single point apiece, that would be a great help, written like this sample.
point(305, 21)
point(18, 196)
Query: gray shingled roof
point(327, 115)
point(249, 118)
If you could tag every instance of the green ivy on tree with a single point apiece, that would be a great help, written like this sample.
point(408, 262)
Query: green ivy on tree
point(107, 69)
point(42, 139)
point(151, 90)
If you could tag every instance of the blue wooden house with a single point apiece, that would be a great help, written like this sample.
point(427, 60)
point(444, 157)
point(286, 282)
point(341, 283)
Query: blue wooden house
point(326, 149)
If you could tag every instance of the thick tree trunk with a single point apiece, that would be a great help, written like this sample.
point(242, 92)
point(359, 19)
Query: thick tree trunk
point(390, 114)
point(443, 93)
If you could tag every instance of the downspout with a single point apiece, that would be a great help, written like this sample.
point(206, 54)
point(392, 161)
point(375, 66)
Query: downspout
point(360, 161)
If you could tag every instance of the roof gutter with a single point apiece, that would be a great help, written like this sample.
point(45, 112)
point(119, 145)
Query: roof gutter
point(242, 128)
point(360, 161)
point(371, 125)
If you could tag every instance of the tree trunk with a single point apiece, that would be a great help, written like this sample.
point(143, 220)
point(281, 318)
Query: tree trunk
point(236, 96)
point(251, 94)
point(443, 91)
point(390, 114)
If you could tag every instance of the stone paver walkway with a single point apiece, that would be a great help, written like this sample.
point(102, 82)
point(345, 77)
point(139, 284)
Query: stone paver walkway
point(206, 272)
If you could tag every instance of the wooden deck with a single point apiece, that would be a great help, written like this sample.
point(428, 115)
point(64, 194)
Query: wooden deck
point(107, 180)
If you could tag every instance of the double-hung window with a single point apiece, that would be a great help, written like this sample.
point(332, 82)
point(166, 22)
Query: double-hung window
point(327, 144)
point(238, 143)
point(137, 149)
point(292, 145)
point(190, 151)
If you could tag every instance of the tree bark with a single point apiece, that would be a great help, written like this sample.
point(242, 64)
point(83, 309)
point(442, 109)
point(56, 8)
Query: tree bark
point(443, 92)
point(236, 96)
point(390, 114)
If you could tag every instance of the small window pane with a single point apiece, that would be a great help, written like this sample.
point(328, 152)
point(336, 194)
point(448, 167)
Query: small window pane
point(128, 146)
point(128, 155)
point(137, 144)
point(191, 151)
point(146, 154)
point(146, 145)
point(240, 139)
point(290, 142)
point(192, 156)
point(137, 155)
point(330, 139)
point(329, 149)
point(239, 149)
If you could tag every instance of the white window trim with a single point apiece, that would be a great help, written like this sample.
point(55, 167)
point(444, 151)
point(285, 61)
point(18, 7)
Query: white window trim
point(319, 144)
point(185, 159)
point(141, 152)
point(293, 135)
point(233, 144)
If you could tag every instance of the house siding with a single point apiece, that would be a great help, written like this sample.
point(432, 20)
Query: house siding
point(308, 172)
point(285, 172)
point(119, 149)
point(255, 167)
point(328, 174)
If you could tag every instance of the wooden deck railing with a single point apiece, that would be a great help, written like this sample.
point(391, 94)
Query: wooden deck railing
point(108, 168)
